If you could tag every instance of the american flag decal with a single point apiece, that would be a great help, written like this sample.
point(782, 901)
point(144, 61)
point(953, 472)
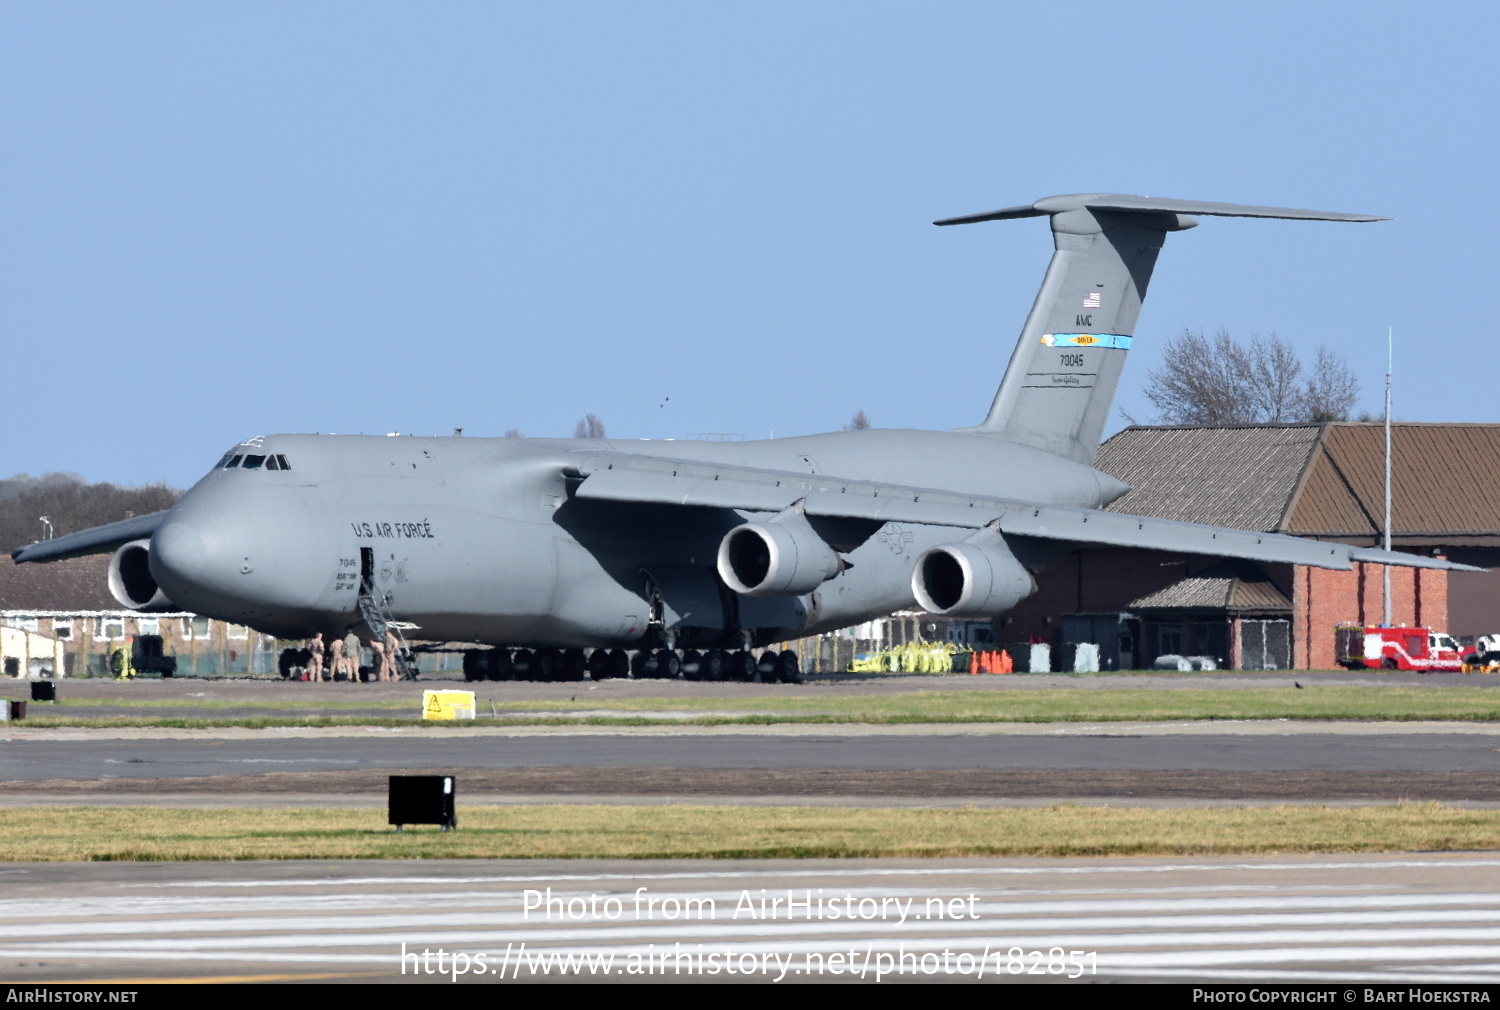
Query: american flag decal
point(1091, 300)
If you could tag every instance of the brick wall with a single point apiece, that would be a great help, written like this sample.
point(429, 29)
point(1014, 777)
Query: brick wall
point(1322, 599)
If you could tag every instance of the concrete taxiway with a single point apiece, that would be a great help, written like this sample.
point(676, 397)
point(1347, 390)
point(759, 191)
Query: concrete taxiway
point(1180, 762)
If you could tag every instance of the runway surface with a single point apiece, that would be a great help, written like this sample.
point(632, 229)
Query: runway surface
point(1456, 750)
point(1332, 919)
point(1257, 762)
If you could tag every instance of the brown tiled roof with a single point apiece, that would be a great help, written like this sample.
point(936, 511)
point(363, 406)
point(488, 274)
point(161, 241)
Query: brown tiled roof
point(1321, 480)
point(79, 584)
point(1241, 476)
point(1228, 585)
point(1440, 483)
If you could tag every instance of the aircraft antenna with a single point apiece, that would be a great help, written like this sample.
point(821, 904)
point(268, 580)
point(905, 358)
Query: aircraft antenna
point(1390, 357)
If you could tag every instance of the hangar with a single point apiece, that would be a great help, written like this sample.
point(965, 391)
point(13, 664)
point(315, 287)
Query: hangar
point(1323, 481)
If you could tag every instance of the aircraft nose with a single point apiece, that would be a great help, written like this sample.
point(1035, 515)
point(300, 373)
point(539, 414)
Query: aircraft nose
point(246, 559)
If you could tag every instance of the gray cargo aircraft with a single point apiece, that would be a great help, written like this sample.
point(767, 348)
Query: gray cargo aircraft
point(692, 553)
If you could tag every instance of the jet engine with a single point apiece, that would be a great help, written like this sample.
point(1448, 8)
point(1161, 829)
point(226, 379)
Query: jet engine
point(131, 581)
point(979, 577)
point(782, 556)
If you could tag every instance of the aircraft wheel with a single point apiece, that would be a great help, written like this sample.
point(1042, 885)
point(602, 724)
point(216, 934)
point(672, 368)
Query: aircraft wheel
point(788, 671)
point(668, 664)
point(651, 666)
point(692, 665)
point(765, 669)
point(546, 665)
point(523, 665)
point(598, 664)
point(618, 664)
point(574, 665)
point(713, 665)
point(500, 667)
point(1389, 664)
point(638, 664)
point(742, 666)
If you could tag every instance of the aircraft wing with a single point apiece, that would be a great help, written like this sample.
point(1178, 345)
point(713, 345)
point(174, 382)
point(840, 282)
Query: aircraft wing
point(621, 477)
point(98, 540)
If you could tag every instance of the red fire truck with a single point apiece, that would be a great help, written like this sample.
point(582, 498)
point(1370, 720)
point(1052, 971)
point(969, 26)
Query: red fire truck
point(1420, 649)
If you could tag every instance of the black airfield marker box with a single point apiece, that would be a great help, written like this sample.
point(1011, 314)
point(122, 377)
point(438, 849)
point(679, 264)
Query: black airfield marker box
point(422, 799)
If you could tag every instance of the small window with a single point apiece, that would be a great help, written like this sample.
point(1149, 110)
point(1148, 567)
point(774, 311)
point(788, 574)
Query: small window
point(109, 628)
point(238, 632)
point(284, 464)
point(62, 628)
point(195, 628)
point(148, 625)
point(233, 461)
point(24, 623)
point(253, 463)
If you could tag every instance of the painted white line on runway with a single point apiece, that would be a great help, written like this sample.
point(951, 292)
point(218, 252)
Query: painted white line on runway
point(913, 871)
point(1419, 944)
point(1000, 916)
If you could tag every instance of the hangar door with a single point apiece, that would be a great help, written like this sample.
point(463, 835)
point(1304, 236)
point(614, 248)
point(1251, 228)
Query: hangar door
point(1265, 645)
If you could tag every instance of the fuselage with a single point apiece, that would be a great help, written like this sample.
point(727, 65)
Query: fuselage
point(479, 539)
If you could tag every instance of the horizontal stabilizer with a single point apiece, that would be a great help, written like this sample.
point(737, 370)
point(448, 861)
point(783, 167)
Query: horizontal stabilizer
point(98, 540)
point(1126, 203)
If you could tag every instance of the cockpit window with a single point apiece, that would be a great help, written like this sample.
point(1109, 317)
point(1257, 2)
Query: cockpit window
point(253, 463)
point(284, 464)
point(271, 463)
point(233, 461)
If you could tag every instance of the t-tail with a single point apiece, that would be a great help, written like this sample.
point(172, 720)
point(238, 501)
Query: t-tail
point(1060, 384)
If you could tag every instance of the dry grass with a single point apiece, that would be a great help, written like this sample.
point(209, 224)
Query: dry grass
point(725, 832)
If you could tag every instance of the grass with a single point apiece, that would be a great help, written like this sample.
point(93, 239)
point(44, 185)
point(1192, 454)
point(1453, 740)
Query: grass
point(1394, 703)
point(53, 834)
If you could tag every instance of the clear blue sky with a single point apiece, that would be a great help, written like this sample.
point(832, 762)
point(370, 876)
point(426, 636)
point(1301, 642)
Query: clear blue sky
point(227, 219)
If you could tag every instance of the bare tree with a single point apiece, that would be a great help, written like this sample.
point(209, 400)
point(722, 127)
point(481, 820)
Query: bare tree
point(70, 505)
point(514, 433)
point(589, 427)
point(1224, 381)
point(1332, 390)
point(860, 421)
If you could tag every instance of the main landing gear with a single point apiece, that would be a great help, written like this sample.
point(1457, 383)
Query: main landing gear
point(770, 667)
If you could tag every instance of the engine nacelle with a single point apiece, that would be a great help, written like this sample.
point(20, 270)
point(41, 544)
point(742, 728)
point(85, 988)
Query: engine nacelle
point(782, 556)
point(977, 578)
point(131, 581)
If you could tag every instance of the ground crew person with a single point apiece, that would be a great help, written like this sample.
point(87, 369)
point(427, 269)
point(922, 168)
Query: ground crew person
point(351, 657)
point(377, 658)
point(315, 657)
point(335, 659)
point(392, 650)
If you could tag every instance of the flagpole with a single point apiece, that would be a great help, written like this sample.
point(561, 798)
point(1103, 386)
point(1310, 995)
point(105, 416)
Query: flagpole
point(1390, 357)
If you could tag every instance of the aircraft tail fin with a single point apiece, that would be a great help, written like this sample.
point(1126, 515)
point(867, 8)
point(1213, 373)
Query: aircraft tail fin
point(1060, 383)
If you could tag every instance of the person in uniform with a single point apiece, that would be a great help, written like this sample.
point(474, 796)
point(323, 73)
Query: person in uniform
point(315, 657)
point(377, 658)
point(335, 658)
point(351, 657)
point(392, 650)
